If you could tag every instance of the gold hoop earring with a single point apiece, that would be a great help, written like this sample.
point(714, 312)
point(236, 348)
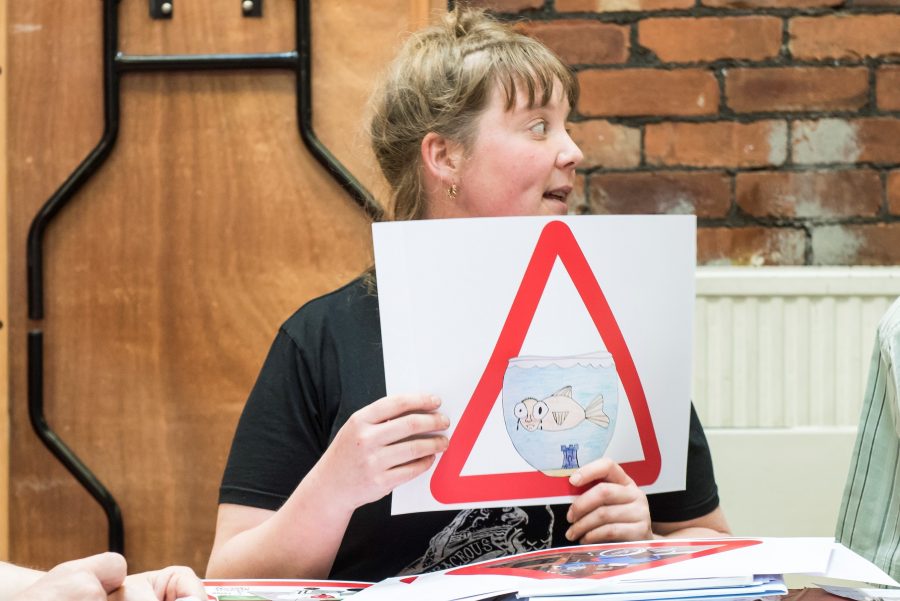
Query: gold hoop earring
point(452, 191)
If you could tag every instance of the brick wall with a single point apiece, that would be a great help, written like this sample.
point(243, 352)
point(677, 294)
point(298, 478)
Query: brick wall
point(776, 122)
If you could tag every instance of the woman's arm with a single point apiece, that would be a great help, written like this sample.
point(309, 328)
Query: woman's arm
point(712, 524)
point(300, 540)
point(381, 446)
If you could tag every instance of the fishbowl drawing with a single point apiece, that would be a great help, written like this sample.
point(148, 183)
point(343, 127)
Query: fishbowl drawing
point(560, 412)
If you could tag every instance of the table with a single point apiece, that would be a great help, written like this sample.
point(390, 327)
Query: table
point(810, 594)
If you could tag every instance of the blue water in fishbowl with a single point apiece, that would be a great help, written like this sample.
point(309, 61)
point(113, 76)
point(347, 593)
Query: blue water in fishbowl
point(560, 412)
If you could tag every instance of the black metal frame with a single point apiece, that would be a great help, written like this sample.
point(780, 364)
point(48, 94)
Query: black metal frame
point(116, 64)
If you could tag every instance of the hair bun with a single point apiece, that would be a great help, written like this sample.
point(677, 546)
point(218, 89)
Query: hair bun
point(462, 20)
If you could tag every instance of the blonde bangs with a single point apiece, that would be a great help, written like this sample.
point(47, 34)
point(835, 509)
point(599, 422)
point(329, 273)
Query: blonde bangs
point(531, 68)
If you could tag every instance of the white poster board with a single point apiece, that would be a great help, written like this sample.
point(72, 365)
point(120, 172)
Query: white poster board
point(551, 341)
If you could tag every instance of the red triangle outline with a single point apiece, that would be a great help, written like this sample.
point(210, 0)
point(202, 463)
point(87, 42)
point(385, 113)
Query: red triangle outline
point(485, 569)
point(448, 485)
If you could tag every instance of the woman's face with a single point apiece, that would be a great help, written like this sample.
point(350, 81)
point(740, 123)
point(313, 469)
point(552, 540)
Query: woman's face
point(522, 161)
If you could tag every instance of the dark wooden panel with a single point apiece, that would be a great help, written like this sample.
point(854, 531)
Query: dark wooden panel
point(169, 272)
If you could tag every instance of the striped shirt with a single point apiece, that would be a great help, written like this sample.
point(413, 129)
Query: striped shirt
point(869, 518)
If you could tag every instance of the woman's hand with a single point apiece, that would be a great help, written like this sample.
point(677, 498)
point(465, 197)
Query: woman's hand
point(613, 509)
point(381, 446)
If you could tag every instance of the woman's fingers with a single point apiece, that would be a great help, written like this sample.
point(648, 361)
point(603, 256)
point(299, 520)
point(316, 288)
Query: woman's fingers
point(396, 418)
point(613, 532)
point(604, 494)
point(624, 521)
point(413, 449)
point(601, 469)
point(407, 471)
point(385, 444)
point(392, 407)
point(613, 509)
point(411, 425)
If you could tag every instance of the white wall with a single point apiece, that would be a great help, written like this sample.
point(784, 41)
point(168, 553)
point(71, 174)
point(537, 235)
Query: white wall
point(785, 482)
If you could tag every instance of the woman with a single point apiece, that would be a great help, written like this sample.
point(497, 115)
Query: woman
point(470, 121)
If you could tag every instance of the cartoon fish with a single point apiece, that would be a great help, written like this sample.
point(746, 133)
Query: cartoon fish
point(559, 411)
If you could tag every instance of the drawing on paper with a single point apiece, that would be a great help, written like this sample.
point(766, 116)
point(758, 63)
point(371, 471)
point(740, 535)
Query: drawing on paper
point(560, 412)
point(585, 564)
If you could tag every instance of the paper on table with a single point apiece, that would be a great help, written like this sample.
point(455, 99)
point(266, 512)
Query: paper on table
point(725, 595)
point(773, 556)
point(295, 590)
point(762, 586)
point(861, 594)
point(586, 586)
point(438, 589)
point(746, 557)
point(847, 565)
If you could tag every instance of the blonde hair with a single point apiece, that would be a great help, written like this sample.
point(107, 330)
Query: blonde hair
point(441, 81)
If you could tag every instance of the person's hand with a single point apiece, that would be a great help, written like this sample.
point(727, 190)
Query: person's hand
point(168, 584)
point(90, 579)
point(613, 509)
point(381, 446)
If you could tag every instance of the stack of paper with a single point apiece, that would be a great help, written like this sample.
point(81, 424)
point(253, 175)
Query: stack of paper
point(708, 589)
point(283, 590)
point(730, 569)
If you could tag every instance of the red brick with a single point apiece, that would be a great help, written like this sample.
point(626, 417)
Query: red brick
point(809, 194)
point(755, 4)
point(796, 89)
point(719, 144)
point(750, 246)
point(875, 244)
point(577, 200)
point(893, 192)
point(691, 39)
point(887, 88)
point(507, 6)
point(845, 36)
point(578, 41)
point(599, 6)
point(629, 92)
point(846, 141)
point(605, 144)
point(701, 193)
point(876, 2)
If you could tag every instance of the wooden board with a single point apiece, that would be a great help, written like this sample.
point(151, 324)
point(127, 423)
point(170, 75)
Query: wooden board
point(4, 313)
point(169, 272)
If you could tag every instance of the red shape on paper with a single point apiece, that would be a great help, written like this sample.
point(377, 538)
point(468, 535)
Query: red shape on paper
point(600, 561)
point(448, 485)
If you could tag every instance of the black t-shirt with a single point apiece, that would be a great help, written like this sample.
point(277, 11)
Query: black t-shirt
point(326, 363)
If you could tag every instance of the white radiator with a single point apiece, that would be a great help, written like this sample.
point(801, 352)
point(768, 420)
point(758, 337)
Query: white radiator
point(781, 358)
point(786, 346)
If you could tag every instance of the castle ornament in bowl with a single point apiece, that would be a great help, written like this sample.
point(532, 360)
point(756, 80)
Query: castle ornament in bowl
point(560, 412)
